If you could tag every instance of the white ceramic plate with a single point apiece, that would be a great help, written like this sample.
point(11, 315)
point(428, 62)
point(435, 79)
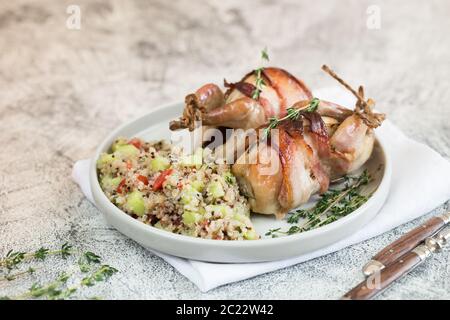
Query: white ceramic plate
point(154, 126)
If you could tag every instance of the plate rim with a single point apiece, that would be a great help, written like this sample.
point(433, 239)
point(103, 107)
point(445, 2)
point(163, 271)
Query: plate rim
point(125, 218)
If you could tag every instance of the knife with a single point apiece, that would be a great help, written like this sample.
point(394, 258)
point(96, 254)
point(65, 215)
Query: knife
point(405, 244)
point(376, 283)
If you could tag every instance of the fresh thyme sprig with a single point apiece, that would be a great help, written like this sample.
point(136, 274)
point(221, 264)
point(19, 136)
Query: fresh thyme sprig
point(57, 289)
point(292, 114)
point(101, 274)
point(13, 276)
point(264, 54)
point(86, 261)
point(41, 253)
point(14, 258)
point(334, 204)
point(259, 82)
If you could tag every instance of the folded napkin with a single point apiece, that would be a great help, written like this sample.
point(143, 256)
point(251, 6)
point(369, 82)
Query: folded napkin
point(420, 182)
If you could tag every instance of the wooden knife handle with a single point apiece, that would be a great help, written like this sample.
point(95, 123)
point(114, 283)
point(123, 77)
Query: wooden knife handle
point(380, 281)
point(409, 241)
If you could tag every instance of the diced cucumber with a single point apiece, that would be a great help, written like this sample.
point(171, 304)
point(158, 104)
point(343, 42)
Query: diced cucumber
point(105, 159)
point(239, 217)
point(188, 194)
point(250, 235)
point(127, 151)
point(216, 190)
point(116, 181)
point(201, 210)
point(190, 217)
point(159, 163)
point(135, 201)
point(198, 185)
point(193, 160)
point(118, 143)
point(109, 181)
point(221, 208)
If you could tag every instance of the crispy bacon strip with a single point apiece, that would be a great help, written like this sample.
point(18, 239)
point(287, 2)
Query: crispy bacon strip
point(301, 170)
point(248, 89)
point(245, 88)
point(289, 88)
point(317, 126)
point(319, 131)
point(295, 130)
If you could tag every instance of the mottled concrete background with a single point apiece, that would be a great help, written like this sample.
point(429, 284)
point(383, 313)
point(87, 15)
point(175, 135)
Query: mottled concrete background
point(63, 90)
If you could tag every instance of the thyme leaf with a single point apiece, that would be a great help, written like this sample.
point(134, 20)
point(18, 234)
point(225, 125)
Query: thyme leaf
point(264, 54)
point(86, 261)
point(259, 82)
point(14, 258)
point(57, 289)
point(54, 290)
point(41, 253)
point(66, 250)
point(292, 114)
point(13, 276)
point(313, 105)
point(103, 273)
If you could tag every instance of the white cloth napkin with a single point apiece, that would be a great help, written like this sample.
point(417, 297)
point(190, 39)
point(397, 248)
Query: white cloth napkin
point(420, 182)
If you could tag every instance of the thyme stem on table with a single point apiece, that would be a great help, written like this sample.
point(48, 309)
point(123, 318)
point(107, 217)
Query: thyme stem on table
point(332, 205)
point(59, 289)
point(53, 290)
point(15, 258)
point(89, 264)
point(14, 276)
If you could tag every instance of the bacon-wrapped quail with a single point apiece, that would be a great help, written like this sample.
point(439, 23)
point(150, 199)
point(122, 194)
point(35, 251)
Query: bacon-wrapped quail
point(307, 153)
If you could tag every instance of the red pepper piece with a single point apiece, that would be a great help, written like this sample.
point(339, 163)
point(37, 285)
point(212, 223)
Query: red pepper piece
point(161, 178)
point(120, 186)
point(135, 142)
point(143, 179)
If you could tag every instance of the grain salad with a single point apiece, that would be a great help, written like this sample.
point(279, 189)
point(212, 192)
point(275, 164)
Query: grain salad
point(155, 183)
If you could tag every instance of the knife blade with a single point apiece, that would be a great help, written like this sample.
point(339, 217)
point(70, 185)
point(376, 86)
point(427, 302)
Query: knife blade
point(405, 243)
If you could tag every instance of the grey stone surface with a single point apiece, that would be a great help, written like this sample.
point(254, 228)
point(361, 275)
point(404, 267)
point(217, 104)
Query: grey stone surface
point(63, 90)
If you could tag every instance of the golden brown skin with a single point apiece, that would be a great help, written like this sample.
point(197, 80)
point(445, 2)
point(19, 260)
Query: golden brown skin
point(210, 96)
point(206, 98)
point(299, 182)
point(297, 174)
point(242, 113)
point(281, 90)
point(237, 108)
point(300, 171)
point(352, 145)
point(333, 110)
point(262, 189)
point(289, 88)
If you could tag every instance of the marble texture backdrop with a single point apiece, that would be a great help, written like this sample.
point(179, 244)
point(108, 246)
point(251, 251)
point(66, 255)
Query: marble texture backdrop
point(63, 90)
